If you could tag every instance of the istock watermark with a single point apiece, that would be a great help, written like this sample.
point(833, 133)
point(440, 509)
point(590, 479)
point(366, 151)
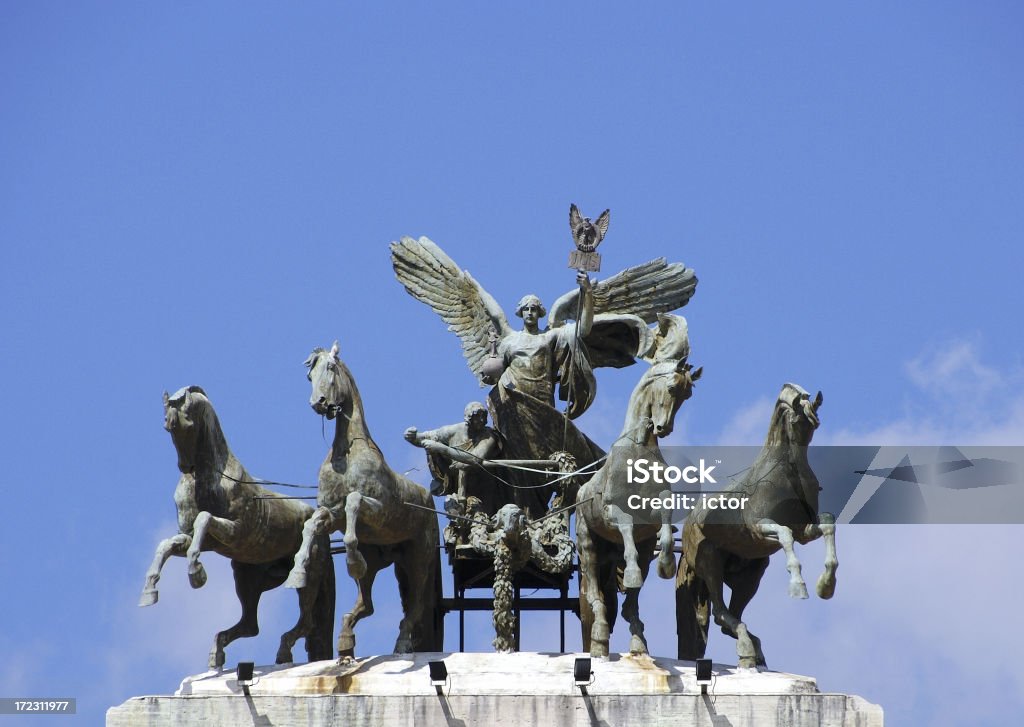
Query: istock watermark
point(681, 501)
point(857, 484)
point(642, 471)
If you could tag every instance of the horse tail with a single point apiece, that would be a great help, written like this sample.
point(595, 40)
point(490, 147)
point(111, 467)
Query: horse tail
point(692, 612)
point(320, 640)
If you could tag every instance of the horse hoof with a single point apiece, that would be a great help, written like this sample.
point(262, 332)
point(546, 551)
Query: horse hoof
point(637, 646)
point(825, 589)
point(197, 576)
point(148, 598)
point(346, 645)
point(633, 577)
point(666, 568)
point(217, 659)
point(797, 590)
point(296, 579)
point(598, 649)
point(403, 646)
point(284, 656)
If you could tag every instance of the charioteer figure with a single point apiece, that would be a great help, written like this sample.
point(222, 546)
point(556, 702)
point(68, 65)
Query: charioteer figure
point(455, 455)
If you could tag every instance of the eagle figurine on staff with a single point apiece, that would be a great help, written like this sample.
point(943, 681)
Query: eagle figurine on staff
point(587, 234)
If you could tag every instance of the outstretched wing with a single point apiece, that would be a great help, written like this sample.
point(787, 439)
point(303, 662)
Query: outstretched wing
point(644, 290)
point(575, 221)
point(431, 277)
point(602, 226)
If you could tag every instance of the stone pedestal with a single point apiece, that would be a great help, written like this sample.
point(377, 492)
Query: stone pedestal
point(497, 690)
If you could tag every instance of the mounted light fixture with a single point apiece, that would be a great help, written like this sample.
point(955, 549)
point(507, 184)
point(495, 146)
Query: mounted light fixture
point(703, 674)
point(243, 674)
point(438, 674)
point(582, 676)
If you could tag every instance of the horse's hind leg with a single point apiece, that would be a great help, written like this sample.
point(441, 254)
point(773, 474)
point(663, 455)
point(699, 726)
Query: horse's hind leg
point(691, 613)
point(321, 522)
point(631, 604)
point(599, 631)
point(784, 536)
point(744, 584)
point(710, 569)
point(220, 528)
point(376, 560)
point(175, 545)
point(826, 586)
point(415, 580)
point(307, 600)
point(250, 583)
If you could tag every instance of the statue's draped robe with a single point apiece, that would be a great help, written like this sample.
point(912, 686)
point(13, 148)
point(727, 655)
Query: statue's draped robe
point(523, 409)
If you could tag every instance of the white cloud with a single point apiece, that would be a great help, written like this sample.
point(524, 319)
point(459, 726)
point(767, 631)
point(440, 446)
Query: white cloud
point(955, 399)
point(749, 425)
point(955, 368)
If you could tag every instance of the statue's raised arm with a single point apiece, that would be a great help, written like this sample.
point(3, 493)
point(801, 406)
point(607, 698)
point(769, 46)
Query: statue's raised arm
point(430, 276)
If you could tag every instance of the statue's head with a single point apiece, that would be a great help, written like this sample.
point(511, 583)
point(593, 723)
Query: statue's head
point(530, 309)
point(475, 415)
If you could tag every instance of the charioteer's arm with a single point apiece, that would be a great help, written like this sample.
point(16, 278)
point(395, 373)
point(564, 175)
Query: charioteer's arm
point(456, 455)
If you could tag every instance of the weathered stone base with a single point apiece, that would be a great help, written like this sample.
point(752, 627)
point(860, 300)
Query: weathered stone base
point(499, 690)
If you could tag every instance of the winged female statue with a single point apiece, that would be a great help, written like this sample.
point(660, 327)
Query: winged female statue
point(595, 325)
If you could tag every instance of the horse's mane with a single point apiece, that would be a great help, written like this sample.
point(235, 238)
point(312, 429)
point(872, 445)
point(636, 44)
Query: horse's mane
point(777, 426)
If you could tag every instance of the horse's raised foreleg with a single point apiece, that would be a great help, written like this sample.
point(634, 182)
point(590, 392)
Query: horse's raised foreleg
point(784, 537)
point(356, 504)
point(175, 545)
point(376, 560)
point(249, 586)
point(826, 586)
point(597, 632)
point(219, 528)
point(321, 522)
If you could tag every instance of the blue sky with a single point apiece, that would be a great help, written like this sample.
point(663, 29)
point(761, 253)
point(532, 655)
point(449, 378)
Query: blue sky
point(201, 195)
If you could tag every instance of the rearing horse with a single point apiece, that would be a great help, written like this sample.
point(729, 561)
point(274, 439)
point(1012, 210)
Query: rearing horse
point(361, 496)
point(732, 547)
point(607, 535)
point(221, 509)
